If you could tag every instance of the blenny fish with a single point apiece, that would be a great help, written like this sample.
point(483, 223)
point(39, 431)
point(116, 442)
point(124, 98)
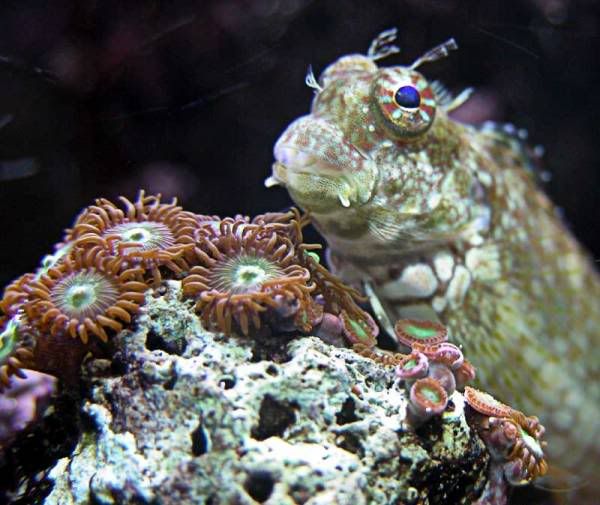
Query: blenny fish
point(444, 221)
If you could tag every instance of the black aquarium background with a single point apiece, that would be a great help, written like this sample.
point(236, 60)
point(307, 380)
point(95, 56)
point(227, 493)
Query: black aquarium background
point(187, 98)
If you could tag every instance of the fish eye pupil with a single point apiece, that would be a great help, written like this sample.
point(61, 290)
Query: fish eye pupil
point(408, 96)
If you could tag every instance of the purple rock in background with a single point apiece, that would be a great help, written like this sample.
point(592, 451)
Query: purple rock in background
point(23, 402)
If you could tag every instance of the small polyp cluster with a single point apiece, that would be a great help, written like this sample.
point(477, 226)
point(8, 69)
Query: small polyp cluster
point(257, 275)
point(337, 299)
point(244, 273)
point(85, 295)
point(92, 285)
point(145, 233)
point(433, 369)
point(245, 276)
point(513, 439)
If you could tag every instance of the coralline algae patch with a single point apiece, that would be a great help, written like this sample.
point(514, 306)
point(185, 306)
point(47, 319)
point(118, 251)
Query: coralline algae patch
point(182, 415)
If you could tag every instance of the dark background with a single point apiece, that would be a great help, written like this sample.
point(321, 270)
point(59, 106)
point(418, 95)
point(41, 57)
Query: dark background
point(188, 98)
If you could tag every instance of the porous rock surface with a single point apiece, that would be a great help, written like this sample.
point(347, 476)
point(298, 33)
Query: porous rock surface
point(182, 415)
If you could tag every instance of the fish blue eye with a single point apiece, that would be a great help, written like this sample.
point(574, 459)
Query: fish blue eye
point(408, 96)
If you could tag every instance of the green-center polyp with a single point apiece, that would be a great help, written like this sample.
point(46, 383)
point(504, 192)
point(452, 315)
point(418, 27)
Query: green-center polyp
point(532, 444)
point(80, 297)
point(137, 235)
point(246, 273)
point(430, 394)
point(491, 401)
point(411, 363)
point(250, 274)
point(359, 330)
point(84, 294)
point(149, 235)
point(420, 331)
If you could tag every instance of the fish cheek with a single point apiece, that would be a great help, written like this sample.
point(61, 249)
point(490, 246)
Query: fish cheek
point(314, 193)
point(348, 228)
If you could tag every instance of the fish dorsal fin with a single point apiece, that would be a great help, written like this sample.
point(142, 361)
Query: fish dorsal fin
point(508, 135)
point(384, 227)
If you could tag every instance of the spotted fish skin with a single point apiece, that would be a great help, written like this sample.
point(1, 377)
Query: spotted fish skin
point(441, 220)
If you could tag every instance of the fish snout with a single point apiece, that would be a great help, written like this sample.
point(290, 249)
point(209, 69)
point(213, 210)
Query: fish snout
point(312, 156)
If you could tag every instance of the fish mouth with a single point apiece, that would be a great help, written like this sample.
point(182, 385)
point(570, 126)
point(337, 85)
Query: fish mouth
point(287, 157)
point(288, 178)
point(283, 172)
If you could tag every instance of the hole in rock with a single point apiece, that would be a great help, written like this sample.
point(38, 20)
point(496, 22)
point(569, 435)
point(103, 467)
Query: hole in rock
point(387, 342)
point(272, 348)
point(351, 443)
point(171, 382)
point(274, 418)
point(348, 412)
point(165, 342)
point(272, 370)
point(227, 382)
point(199, 441)
point(119, 364)
point(259, 485)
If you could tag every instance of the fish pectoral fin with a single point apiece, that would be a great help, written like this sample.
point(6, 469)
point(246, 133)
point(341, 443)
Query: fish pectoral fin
point(384, 227)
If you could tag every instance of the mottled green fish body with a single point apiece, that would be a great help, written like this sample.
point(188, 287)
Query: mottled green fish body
point(440, 220)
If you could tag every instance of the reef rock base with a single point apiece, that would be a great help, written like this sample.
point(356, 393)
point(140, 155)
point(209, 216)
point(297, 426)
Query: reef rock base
point(181, 415)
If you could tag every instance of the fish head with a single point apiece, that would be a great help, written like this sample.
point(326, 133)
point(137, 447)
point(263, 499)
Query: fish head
point(376, 138)
point(320, 168)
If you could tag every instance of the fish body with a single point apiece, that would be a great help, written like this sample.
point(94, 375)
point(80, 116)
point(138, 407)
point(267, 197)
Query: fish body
point(444, 221)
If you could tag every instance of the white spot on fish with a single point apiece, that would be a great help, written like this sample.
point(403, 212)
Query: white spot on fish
point(416, 281)
point(458, 287)
point(443, 262)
